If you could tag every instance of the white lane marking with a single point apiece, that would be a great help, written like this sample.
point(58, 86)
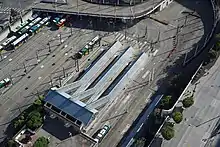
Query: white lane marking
point(148, 97)
point(145, 75)
point(126, 99)
point(155, 52)
point(140, 127)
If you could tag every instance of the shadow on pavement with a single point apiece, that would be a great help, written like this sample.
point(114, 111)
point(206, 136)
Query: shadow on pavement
point(56, 128)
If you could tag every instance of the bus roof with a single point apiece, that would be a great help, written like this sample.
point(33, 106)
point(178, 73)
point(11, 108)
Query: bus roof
point(20, 39)
point(9, 40)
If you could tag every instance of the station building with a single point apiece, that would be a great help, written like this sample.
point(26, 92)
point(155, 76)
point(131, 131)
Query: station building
point(80, 102)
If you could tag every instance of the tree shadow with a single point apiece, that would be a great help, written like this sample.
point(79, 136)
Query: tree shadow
point(56, 128)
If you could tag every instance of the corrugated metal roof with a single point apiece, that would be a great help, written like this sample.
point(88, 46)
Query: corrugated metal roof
point(66, 105)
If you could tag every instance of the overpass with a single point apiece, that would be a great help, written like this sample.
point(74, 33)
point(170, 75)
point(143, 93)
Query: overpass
point(82, 8)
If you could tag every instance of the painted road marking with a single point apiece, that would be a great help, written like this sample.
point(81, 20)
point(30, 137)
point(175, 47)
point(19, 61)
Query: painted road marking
point(140, 127)
point(145, 75)
point(155, 52)
point(126, 99)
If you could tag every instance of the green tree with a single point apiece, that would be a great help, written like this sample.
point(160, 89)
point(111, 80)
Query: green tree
point(177, 117)
point(11, 143)
point(41, 142)
point(187, 102)
point(38, 102)
point(167, 131)
point(19, 122)
point(166, 102)
point(34, 120)
point(140, 142)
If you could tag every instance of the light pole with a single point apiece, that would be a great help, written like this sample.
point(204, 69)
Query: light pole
point(20, 12)
point(25, 69)
point(51, 82)
point(49, 47)
point(64, 75)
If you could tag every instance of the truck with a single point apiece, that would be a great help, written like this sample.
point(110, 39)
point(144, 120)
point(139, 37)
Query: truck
point(5, 82)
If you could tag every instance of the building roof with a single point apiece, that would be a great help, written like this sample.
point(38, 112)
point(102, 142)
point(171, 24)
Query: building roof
point(74, 109)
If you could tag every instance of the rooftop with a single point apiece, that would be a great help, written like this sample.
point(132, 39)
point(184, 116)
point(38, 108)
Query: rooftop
point(73, 108)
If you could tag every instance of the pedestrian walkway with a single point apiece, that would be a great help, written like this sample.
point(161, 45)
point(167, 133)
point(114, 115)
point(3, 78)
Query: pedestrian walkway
point(121, 37)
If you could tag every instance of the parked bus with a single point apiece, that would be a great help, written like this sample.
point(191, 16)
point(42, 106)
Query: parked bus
point(45, 21)
point(94, 41)
point(85, 50)
point(61, 23)
point(19, 41)
point(57, 19)
point(25, 29)
point(36, 28)
point(6, 44)
point(25, 23)
point(5, 82)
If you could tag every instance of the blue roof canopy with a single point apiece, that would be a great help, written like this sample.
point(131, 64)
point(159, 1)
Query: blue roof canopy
point(68, 106)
